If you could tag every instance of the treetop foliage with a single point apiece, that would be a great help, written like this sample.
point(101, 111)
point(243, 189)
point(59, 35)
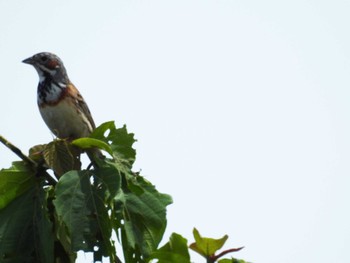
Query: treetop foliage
point(51, 207)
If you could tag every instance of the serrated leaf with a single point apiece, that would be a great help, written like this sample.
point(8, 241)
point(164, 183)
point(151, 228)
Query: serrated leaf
point(144, 217)
point(87, 143)
point(175, 251)
point(207, 246)
point(14, 182)
point(61, 157)
point(120, 141)
point(25, 230)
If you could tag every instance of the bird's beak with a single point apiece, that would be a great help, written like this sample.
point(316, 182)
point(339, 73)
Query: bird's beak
point(29, 61)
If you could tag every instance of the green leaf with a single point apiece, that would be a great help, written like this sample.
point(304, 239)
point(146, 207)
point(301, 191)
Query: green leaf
point(87, 143)
point(100, 131)
point(175, 251)
point(109, 177)
point(25, 230)
point(61, 157)
point(99, 236)
point(82, 215)
point(71, 209)
point(143, 212)
point(140, 210)
point(120, 141)
point(207, 246)
point(14, 182)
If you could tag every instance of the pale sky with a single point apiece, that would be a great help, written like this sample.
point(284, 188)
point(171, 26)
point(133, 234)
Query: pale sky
point(241, 109)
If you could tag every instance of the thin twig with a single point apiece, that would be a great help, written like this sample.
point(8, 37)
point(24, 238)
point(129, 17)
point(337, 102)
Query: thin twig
point(26, 159)
point(223, 253)
point(17, 151)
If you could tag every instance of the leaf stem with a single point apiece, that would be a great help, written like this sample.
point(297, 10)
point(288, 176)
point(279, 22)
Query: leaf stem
point(223, 253)
point(26, 159)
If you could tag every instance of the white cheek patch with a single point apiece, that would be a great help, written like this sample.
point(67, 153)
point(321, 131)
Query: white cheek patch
point(51, 72)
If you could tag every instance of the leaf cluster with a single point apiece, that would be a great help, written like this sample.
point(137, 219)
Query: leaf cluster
point(45, 222)
point(177, 250)
point(51, 207)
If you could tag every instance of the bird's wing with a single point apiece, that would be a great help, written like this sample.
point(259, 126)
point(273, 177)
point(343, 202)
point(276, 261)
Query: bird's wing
point(80, 102)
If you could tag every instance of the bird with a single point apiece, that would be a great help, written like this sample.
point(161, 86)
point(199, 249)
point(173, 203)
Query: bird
point(60, 103)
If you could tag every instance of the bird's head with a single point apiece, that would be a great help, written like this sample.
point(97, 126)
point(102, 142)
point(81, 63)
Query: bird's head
point(48, 65)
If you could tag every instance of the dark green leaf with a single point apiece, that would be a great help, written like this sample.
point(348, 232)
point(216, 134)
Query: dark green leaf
point(110, 178)
point(25, 231)
point(63, 245)
point(82, 215)
point(175, 251)
point(122, 142)
point(100, 224)
point(14, 182)
point(71, 209)
point(144, 216)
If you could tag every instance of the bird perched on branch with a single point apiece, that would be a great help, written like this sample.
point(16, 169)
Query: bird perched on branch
point(60, 103)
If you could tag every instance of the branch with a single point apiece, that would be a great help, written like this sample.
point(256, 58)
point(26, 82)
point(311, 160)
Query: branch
point(17, 151)
point(26, 159)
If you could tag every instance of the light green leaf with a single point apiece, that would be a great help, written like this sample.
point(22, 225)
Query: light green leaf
point(101, 130)
point(207, 246)
point(87, 143)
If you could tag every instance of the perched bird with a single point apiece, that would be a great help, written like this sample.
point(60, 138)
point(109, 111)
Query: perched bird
point(61, 105)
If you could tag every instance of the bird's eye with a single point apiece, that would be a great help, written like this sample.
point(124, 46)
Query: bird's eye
point(44, 58)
